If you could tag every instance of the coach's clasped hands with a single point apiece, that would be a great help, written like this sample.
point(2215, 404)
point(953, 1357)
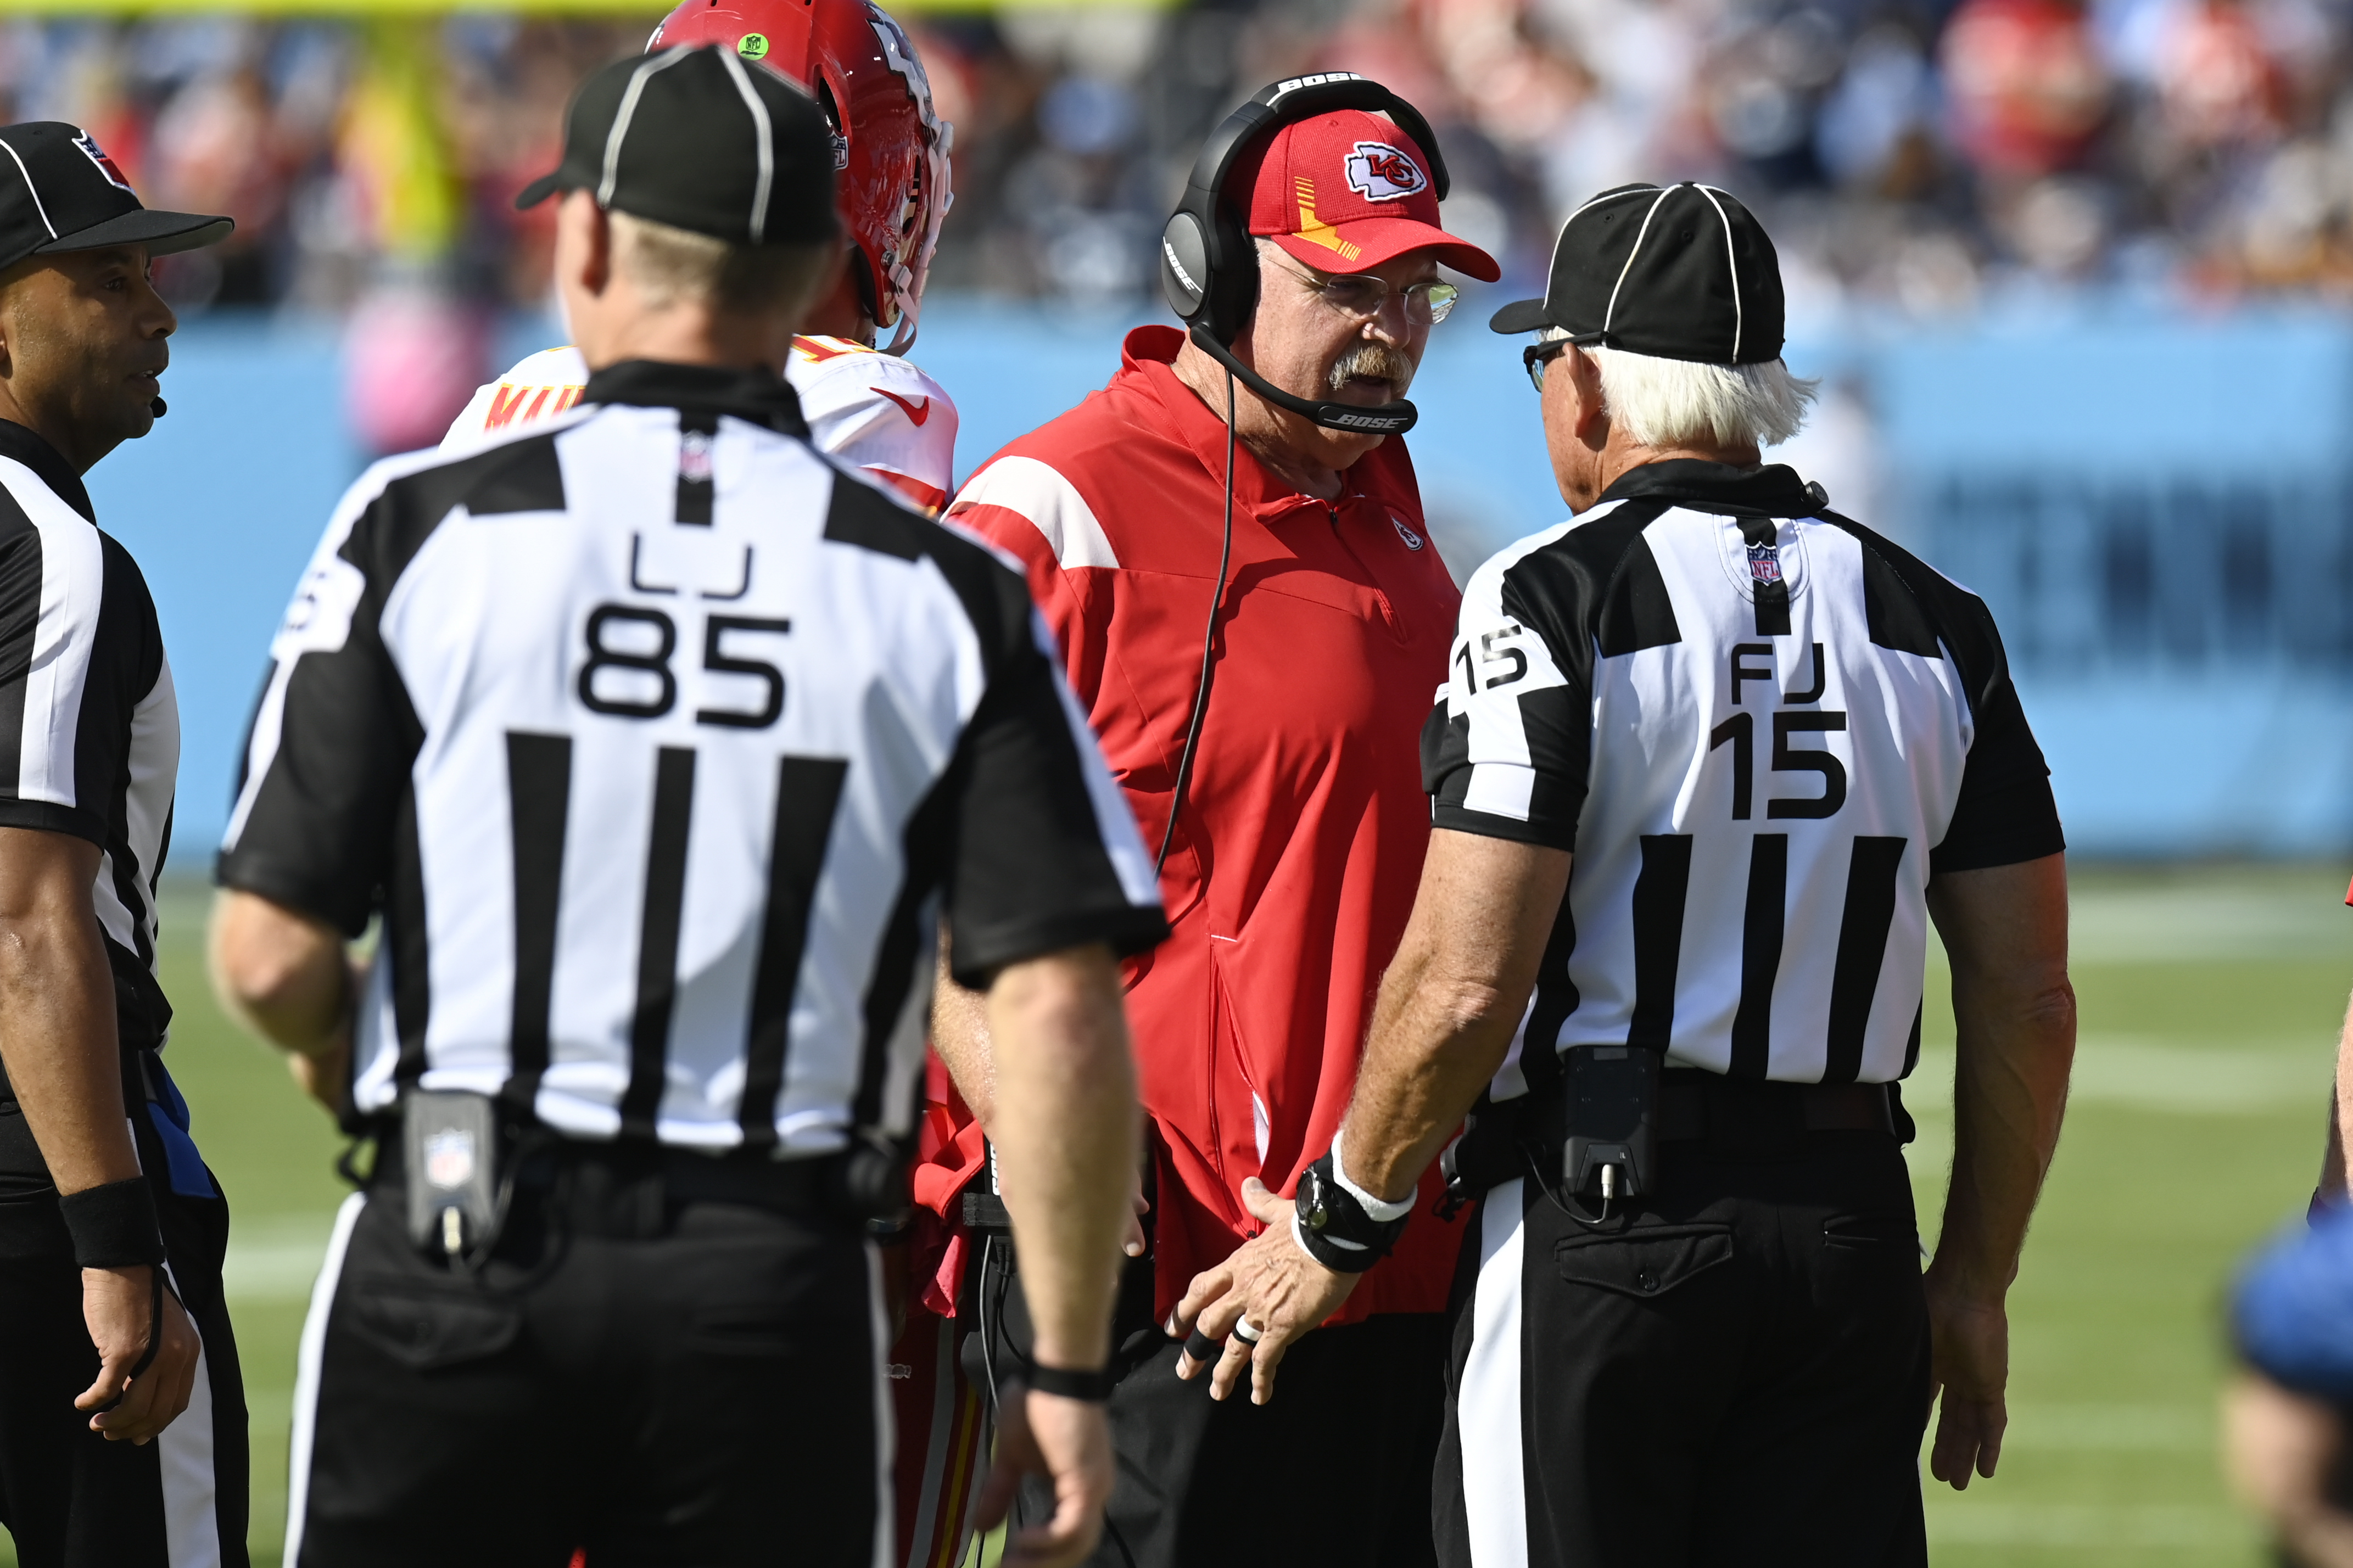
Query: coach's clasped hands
point(1272, 1281)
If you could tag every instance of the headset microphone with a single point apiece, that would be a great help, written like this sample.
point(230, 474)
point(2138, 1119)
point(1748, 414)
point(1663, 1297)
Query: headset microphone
point(1383, 419)
point(155, 406)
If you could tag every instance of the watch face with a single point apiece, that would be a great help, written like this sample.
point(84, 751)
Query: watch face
point(1313, 1214)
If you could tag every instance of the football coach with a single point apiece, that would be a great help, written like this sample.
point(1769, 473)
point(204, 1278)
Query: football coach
point(1228, 542)
point(122, 1430)
point(663, 742)
point(1710, 758)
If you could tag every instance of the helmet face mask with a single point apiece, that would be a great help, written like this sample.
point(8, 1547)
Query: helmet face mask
point(891, 147)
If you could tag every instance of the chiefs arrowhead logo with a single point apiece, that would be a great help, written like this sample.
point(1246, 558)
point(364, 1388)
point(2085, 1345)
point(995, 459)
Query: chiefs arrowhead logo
point(1380, 172)
point(106, 166)
point(918, 409)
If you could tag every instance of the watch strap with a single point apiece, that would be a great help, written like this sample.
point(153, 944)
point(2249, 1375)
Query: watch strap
point(1094, 1386)
point(1332, 1227)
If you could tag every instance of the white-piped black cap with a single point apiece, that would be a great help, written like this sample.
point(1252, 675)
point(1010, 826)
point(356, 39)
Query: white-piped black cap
point(695, 138)
point(1674, 271)
point(59, 191)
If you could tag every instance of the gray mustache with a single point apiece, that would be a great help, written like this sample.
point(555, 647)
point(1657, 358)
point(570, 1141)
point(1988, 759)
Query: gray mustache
point(1376, 359)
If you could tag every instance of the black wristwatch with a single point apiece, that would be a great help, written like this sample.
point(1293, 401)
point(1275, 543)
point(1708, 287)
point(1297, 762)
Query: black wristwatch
point(1333, 1226)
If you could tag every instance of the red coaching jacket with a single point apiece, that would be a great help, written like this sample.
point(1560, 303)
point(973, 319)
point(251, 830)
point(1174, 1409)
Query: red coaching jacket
point(1301, 842)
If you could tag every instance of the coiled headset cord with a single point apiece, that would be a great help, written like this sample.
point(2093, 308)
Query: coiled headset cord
point(1208, 647)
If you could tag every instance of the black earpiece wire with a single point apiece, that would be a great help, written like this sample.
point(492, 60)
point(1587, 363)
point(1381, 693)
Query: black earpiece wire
point(1209, 646)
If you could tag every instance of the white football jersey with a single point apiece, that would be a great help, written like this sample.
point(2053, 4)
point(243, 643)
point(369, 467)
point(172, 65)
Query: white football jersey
point(869, 408)
point(661, 754)
point(1761, 728)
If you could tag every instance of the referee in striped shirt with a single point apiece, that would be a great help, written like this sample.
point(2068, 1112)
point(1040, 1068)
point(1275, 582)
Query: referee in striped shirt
point(1692, 1328)
point(122, 1430)
point(662, 745)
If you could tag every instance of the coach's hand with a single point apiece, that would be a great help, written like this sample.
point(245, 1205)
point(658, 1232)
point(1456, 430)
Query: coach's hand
point(1069, 1441)
point(1270, 1281)
point(1970, 1361)
point(114, 1304)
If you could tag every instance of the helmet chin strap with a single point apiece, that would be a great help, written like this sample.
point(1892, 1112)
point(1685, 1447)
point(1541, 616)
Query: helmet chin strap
point(1383, 419)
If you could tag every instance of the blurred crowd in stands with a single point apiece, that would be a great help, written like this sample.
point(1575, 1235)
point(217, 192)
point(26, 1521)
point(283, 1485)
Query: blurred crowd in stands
point(1913, 156)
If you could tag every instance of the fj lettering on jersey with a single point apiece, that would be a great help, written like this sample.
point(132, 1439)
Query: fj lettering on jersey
point(1755, 732)
point(727, 738)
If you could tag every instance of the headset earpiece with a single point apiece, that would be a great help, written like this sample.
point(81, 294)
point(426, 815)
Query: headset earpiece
point(1185, 265)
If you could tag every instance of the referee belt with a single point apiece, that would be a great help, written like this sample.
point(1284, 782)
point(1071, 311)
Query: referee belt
point(1731, 1118)
point(623, 1188)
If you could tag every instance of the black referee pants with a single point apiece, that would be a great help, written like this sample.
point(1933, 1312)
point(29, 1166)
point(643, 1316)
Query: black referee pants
point(71, 1499)
point(1335, 1470)
point(686, 1384)
point(1738, 1377)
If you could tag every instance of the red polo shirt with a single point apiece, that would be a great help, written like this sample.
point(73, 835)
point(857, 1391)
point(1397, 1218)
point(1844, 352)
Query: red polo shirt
point(1301, 842)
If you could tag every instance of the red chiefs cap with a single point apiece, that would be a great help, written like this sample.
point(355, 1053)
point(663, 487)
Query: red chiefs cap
point(1346, 192)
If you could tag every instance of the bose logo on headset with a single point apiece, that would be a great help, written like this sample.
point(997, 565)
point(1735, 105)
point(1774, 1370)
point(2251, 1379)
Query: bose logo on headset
point(1170, 252)
point(1295, 83)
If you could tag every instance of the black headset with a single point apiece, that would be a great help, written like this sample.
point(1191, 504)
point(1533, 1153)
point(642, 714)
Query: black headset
point(1209, 264)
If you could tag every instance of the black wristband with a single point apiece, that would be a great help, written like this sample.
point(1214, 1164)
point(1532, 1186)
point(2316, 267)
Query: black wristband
point(1095, 1387)
point(113, 1227)
point(1333, 1226)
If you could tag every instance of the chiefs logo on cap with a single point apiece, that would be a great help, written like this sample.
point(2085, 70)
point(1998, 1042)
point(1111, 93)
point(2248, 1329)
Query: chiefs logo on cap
point(1380, 172)
point(90, 149)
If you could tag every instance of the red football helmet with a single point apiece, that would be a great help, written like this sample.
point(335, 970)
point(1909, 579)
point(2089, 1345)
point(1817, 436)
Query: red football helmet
point(890, 147)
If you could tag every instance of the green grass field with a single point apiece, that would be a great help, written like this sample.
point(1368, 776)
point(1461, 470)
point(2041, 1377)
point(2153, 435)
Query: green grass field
point(2210, 998)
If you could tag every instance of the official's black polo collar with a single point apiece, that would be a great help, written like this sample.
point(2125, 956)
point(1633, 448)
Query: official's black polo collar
point(27, 447)
point(761, 396)
point(1774, 491)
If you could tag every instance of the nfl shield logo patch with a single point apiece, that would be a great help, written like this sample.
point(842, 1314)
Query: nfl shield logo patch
point(1764, 562)
point(450, 1159)
point(95, 155)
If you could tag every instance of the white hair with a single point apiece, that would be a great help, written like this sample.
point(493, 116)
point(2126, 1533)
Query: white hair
point(1677, 403)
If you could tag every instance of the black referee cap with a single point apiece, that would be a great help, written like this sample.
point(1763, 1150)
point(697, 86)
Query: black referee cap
point(1674, 271)
point(694, 138)
point(59, 191)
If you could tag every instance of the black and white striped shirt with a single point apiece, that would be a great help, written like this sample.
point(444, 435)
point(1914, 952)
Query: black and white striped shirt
point(662, 745)
point(1762, 729)
point(89, 729)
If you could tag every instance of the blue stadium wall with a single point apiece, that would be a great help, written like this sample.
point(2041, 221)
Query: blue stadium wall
point(2159, 507)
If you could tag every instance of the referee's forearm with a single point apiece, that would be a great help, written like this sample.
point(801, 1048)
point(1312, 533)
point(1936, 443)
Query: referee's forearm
point(2009, 1093)
point(1449, 1002)
point(1434, 1045)
point(58, 1038)
point(1066, 1136)
point(283, 975)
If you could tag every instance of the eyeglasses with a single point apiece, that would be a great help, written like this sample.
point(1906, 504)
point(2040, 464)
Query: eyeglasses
point(1535, 356)
point(1360, 296)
